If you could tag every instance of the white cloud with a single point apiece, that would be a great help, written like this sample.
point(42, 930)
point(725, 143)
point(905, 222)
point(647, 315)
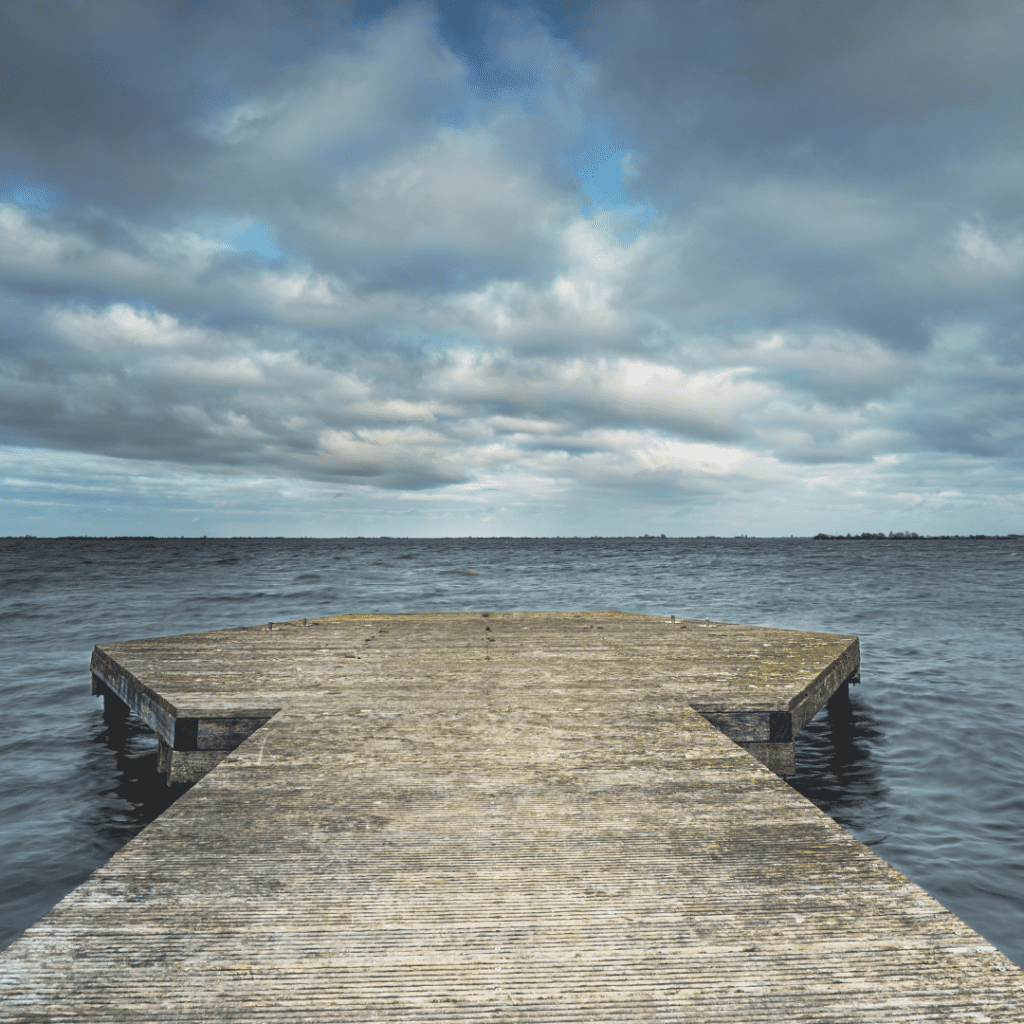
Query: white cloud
point(982, 257)
point(779, 318)
point(122, 326)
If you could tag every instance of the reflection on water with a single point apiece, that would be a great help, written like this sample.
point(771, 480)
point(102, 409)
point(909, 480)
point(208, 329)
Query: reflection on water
point(140, 792)
point(835, 766)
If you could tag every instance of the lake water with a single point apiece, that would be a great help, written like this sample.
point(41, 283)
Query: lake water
point(926, 766)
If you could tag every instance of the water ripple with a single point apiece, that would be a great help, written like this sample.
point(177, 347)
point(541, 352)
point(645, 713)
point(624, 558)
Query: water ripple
point(922, 761)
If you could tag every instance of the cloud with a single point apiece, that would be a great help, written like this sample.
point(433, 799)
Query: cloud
point(645, 260)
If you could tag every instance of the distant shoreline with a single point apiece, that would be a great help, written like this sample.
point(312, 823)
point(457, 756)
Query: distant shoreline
point(902, 535)
point(914, 536)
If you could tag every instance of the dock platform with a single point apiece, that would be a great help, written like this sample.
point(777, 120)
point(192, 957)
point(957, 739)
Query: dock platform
point(493, 817)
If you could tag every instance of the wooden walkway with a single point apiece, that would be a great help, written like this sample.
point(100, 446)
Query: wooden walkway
point(506, 817)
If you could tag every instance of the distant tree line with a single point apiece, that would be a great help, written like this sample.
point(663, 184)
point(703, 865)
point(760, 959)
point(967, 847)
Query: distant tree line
point(901, 535)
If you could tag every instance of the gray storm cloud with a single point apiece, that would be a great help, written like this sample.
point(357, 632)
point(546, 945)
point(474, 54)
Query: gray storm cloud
point(801, 287)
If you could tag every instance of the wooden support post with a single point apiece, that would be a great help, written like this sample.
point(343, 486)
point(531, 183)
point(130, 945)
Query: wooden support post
point(114, 709)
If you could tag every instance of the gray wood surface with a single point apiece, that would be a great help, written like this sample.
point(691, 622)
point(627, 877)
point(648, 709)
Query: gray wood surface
point(503, 817)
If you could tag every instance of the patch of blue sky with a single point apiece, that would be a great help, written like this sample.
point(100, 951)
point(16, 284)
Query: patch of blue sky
point(600, 164)
point(603, 177)
point(252, 236)
point(29, 195)
point(603, 181)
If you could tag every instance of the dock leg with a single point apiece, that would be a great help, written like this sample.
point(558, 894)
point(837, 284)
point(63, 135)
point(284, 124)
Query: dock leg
point(163, 758)
point(114, 709)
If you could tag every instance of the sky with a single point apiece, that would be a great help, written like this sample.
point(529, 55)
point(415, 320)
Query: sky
point(704, 267)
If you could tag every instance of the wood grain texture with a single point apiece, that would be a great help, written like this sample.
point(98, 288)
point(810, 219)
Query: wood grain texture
point(514, 817)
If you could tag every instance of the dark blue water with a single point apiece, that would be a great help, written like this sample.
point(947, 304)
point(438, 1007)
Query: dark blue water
point(925, 764)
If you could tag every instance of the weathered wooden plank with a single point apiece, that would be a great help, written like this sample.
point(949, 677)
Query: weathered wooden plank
point(154, 711)
point(758, 685)
point(510, 817)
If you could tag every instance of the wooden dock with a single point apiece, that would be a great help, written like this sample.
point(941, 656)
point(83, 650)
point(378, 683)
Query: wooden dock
point(504, 817)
